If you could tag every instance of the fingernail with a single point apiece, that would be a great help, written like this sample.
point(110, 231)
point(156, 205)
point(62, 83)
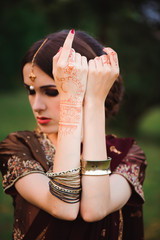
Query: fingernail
point(72, 31)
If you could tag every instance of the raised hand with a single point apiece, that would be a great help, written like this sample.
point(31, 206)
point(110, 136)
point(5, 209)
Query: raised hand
point(70, 72)
point(102, 73)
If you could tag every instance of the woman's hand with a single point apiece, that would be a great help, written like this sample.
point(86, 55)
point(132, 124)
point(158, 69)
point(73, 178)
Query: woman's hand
point(70, 73)
point(102, 73)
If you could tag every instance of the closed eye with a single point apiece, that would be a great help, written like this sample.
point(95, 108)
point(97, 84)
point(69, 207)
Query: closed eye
point(31, 92)
point(51, 92)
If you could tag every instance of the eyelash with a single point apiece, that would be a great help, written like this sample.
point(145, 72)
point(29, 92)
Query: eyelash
point(49, 92)
point(31, 92)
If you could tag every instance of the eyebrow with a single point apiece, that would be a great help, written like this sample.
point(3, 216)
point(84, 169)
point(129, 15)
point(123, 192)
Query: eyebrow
point(45, 86)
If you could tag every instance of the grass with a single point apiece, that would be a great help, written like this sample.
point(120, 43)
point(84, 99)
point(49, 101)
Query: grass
point(16, 115)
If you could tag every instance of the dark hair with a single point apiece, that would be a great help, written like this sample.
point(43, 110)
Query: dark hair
point(83, 44)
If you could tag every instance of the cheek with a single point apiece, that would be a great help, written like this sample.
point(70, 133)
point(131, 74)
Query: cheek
point(55, 105)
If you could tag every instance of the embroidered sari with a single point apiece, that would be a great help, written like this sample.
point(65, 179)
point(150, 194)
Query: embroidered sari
point(27, 152)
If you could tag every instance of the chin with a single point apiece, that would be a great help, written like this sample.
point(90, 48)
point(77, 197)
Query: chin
point(49, 129)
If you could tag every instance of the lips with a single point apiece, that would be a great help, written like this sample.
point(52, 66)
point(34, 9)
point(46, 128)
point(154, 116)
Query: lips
point(43, 120)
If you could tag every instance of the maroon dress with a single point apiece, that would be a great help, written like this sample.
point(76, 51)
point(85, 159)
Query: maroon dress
point(27, 152)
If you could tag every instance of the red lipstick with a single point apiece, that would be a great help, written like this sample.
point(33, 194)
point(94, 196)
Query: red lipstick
point(43, 120)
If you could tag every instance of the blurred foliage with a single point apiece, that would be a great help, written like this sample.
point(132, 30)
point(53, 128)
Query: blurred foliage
point(132, 28)
point(149, 124)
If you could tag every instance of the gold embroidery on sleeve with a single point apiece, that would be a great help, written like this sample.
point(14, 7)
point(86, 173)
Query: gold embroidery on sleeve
point(113, 149)
point(120, 225)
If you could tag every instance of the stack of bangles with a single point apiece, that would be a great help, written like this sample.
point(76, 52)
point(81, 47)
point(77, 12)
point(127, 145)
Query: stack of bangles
point(67, 185)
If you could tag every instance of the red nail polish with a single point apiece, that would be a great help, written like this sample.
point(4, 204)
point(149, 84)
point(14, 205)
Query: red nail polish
point(72, 31)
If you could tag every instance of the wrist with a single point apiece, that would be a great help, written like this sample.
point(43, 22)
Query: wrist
point(71, 101)
point(70, 114)
point(93, 104)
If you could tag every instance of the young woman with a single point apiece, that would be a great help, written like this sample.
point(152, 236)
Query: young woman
point(68, 180)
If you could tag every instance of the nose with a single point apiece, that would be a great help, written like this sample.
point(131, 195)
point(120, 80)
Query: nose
point(38, 104)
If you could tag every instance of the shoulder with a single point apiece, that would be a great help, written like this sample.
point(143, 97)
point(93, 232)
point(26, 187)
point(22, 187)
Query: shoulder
point(117, 149)
point(128, 160)
point(16, 138)
point(123, 144)
point(121, 148)
point(20, 155)
point(25, 145)
point(17, 135)
point(17, 144)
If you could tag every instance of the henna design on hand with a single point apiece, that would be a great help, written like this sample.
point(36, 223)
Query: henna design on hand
point(74, 83)
point(70, 83)
point(70, 66)
point(115, 59)
point(71, 90)
point(65, 130)
point(70, 116)
point(114, 55)
point(105, 59)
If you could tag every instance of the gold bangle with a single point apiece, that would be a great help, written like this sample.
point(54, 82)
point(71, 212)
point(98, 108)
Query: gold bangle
point(95, 168)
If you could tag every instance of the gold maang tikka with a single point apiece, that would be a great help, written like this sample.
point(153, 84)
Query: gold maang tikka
point(32, 76)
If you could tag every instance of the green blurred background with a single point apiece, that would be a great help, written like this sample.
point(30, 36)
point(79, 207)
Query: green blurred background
point(132, 28)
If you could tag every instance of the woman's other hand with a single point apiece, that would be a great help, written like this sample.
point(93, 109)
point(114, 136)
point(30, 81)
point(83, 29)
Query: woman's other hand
point(102, 73)
point(70, 72)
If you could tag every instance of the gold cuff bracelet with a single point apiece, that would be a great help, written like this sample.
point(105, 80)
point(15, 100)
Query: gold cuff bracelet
point(95, 168)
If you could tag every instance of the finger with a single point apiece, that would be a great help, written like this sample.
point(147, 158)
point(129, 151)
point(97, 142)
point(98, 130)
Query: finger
point(56, 58)
point(112, 55)
point(84, 62)
point(71, 57)
point(67, 47)
point(78, 59)
point(106, 60)
point(98, 63)
point(92, 64)
point(70, 65)
point(71, 62)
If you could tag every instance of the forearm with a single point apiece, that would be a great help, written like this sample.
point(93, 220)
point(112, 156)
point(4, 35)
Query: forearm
point(94, 132)
point(95, 189)
point(67, 155)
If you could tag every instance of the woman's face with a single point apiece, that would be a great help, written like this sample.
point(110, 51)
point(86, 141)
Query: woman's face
point(44, 99)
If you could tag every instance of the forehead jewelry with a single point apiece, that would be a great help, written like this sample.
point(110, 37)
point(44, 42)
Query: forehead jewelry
point(31, 87)
point(32, 76)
